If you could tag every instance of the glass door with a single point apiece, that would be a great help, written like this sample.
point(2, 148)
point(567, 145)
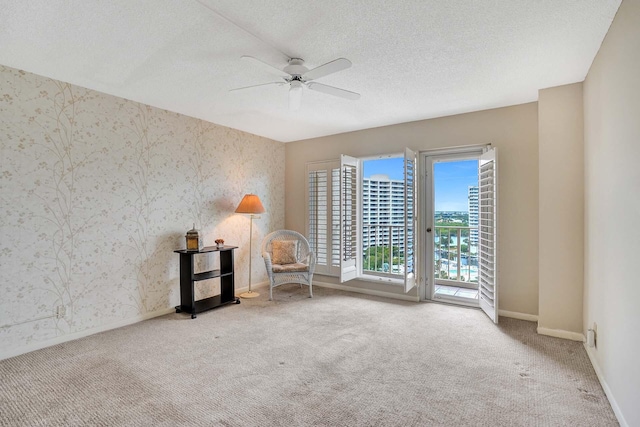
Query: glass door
point(449, 218)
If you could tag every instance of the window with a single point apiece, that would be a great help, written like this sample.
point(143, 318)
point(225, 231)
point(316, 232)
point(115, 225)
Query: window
point(339, 220)
point(383, 216)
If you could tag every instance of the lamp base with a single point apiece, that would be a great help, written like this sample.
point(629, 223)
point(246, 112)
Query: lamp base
point(249, 294)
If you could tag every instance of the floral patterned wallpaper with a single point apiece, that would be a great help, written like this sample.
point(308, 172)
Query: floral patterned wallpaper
point(97, 191)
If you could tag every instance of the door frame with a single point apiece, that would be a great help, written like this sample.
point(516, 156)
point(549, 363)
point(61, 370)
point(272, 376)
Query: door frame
point(426, 211)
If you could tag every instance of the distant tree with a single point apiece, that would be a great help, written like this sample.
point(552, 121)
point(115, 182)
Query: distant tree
point(375, 257)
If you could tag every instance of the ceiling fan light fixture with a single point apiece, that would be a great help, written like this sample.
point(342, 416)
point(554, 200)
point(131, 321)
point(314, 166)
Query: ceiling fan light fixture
point(295, 95)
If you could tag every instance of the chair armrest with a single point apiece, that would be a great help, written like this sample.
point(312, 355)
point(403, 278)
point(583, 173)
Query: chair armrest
point(267, 260)
point(311, 257)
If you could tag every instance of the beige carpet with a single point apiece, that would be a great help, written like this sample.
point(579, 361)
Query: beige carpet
point(338, 359)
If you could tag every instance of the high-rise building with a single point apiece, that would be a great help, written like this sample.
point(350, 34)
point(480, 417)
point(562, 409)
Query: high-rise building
point(473, 214)
point(382, 212)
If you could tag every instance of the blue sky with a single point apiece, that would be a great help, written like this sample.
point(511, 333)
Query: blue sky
point(452, 179)
point(393, 167)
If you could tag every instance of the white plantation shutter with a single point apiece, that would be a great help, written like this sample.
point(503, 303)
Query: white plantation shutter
point(487, 233)
point(335, 218)
point(321, 190)
point(318, 214)
point(349, 218)
point(409, 219)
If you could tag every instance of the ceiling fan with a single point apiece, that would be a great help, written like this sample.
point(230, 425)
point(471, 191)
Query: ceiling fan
point(296, 75)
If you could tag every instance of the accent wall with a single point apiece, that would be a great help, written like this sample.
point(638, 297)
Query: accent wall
point(98, 191)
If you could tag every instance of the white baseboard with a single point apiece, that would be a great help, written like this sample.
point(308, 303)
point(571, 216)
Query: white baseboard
point(366, 291)
point(605, 386)
point(74, 336)
point(519, 316)
point(125, 322)
point(559, 333)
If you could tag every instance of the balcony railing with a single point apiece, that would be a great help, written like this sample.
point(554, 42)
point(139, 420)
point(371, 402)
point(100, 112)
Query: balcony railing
point(383, 249)
point(456, 255)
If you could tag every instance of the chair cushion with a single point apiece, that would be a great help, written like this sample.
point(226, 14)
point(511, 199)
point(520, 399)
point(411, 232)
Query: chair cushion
point(297, 267)
point(284, 251)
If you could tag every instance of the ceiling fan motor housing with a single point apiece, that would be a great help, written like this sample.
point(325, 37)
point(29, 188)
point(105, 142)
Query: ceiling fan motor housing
point(295, 68)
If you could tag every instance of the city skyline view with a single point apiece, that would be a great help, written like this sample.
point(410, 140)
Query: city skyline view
point(451, 179)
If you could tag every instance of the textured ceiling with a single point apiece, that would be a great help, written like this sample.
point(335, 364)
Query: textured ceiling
point(412, 59)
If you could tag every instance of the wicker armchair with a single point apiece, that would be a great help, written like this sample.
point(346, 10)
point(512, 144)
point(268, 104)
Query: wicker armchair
point(300, 267)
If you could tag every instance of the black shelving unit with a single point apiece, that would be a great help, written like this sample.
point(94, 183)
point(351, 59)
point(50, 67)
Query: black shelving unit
point(188, 278)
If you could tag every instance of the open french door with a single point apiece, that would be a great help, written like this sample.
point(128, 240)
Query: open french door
point(488, 233)
point(349, 217)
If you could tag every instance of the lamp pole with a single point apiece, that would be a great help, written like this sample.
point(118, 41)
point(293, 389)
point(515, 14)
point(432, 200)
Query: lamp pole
point(251, 205)
point(250, 248)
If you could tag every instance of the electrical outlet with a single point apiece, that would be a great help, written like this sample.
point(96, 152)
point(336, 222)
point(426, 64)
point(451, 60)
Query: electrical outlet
point(61, 311)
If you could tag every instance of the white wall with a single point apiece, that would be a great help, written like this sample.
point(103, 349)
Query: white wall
point(96, 193)
point(612, 210)
point(514, 130)
point(561, 204)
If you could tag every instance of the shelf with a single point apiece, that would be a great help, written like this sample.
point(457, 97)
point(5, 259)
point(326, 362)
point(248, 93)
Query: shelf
point(211, 302)
point(209, 275)
point(188, 278)
point(206, 275)
point(206, 249)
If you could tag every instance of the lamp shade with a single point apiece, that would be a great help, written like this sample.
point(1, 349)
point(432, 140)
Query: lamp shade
point(250, 204)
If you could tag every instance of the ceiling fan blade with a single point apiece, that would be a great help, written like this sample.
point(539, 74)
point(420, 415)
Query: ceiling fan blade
point(266, 67)
point(330, 90)
point(262, 84)
point(328, 68)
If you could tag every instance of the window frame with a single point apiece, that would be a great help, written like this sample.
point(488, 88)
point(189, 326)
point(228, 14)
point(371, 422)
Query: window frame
point(348, 269)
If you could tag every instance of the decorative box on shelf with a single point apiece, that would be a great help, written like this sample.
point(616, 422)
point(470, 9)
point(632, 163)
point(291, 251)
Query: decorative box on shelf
point(194, 240)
